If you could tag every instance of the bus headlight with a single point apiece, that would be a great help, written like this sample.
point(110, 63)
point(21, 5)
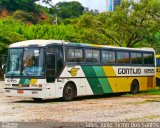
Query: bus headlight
point(8, 85)
point(40, 85)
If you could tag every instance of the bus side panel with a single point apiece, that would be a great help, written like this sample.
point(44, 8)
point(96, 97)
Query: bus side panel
point(157, 76)
point(96, 80)
point(81, 84)
point(76, 75)
point(123, 84)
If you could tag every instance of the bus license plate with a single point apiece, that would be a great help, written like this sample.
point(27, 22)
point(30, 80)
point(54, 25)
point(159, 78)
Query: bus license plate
point(20, 91)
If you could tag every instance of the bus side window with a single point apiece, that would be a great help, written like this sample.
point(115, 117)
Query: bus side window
point(123, 57)
point(74, 55)
point(108, 57)
point(136, 58)
point(148, 58)
point(92, 56)
point(70, 54)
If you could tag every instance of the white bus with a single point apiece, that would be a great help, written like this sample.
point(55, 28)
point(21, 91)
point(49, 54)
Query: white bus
point(44, 69)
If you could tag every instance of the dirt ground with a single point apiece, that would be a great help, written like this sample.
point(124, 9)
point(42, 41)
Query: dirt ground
point(85, 109)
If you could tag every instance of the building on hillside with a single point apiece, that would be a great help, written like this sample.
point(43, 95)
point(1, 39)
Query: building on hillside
point(111, 4)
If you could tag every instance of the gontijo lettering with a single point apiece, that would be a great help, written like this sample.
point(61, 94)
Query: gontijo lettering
point(129, 71)
point(135, 71)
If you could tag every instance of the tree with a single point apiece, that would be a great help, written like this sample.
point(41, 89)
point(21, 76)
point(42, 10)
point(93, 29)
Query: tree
point(67, 9)
point(87, 28)
point(132, 23)
point(9, 33)
point(13, 5)
point(25, 5)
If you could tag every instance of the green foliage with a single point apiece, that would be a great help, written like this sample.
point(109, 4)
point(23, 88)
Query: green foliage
point(13, 5)
point(23, 16)
point(10, 32)
point(24, 10)
point(131, 24)
point(67, 9)
point(47, 31)
point(151, 92)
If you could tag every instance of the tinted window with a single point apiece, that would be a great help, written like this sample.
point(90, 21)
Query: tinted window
point(70, 55)
point(96, 56)
point(108, 57)
point(74, 55)
point(78, 55)
point(123, 57)
point(92, 56)
point(148, 58)
point(136, 58)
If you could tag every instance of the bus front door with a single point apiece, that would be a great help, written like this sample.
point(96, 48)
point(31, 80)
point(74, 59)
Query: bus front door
point(51, 68)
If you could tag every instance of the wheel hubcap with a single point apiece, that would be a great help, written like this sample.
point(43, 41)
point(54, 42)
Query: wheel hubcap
point(69, 91)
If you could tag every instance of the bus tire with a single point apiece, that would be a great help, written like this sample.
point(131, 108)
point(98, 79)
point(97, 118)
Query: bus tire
point(134, 87)
point(69, 91)
point(37, 99)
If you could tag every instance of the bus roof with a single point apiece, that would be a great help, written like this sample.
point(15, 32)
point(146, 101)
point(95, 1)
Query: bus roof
point(41, 43)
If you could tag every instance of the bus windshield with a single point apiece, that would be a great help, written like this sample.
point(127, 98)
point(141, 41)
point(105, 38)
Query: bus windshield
point(25, 62)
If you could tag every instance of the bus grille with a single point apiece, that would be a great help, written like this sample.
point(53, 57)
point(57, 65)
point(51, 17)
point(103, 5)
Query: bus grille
point(20, 85)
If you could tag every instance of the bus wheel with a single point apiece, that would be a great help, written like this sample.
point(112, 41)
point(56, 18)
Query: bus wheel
point(69, 92)
point(134, 87)
point(37, 99)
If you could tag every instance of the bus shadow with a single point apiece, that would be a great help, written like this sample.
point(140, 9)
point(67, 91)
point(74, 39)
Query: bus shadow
point(38, 102)
point(81, 98)
point(112, 95)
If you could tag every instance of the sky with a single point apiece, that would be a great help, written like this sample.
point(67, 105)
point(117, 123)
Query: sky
point(92, 4)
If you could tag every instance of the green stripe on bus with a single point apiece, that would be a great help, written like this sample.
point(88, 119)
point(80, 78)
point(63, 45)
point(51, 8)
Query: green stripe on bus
point(24, 81)
point(21, 81)
point(27, 81)
point(92, 79)
point(103, 81)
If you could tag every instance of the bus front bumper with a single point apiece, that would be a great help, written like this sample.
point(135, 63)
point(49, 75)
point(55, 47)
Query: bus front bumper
point(25, 92)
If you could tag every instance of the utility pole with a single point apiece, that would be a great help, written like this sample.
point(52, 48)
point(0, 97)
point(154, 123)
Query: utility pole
point(56, 19)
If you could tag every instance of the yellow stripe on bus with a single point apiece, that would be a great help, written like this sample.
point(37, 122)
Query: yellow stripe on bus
point(123, 84)
point(33, 81)
point(95, 45)
point(109, 71)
